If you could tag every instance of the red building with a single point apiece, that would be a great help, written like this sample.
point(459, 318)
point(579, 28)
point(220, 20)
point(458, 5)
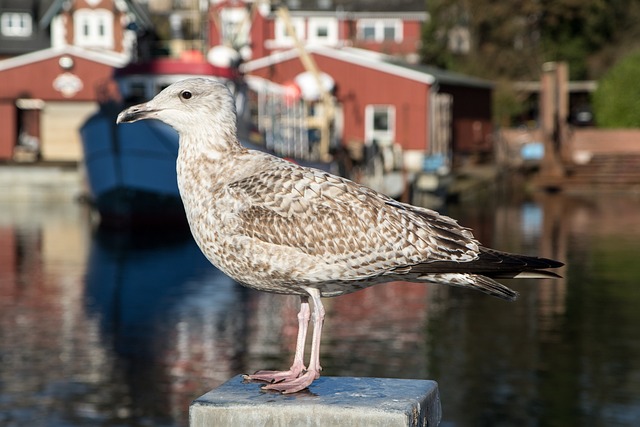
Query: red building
point(257, 30)
point(424, 110)
point(57, 57)
point(368, 49)
point(46, 95)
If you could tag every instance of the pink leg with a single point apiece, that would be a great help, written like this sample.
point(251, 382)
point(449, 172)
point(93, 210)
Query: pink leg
point(298, 360)
point(318, 322)
point(303, 381)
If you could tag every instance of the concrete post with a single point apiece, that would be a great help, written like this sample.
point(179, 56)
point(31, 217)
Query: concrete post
point(330, 401)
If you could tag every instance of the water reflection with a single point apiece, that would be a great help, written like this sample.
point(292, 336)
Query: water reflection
point(568, 353)
point(107, 329)
point(169, 318)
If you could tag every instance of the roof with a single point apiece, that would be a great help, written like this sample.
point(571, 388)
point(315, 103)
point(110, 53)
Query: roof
point(110, 59)
point(142, 17)
point(36, 8)
point(393, 14)
point(378, 61)
point(54, 8)
point(358, 5)
point(447, 77)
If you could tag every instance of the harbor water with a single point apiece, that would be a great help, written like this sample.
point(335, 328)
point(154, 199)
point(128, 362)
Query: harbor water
point(114, 329)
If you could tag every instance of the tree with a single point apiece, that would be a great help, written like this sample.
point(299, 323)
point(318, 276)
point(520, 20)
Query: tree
point(435, 47)
point(502, 35)
point(572, 30)
point(616, 102)
point(510, 39)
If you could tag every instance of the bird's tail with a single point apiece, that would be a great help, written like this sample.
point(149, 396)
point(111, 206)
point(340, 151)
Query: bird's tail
point(473, 281)
point(489, 286)
point(490, 264)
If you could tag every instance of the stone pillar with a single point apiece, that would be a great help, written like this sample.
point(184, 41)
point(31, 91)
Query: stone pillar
point(329, 401)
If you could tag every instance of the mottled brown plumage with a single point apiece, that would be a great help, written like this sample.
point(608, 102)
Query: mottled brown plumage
point(279, 227)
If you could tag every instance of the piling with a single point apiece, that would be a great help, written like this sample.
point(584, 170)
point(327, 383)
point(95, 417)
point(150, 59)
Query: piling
point(329, 401)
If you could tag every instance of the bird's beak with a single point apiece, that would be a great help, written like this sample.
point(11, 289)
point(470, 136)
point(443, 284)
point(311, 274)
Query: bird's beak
point(136, 112)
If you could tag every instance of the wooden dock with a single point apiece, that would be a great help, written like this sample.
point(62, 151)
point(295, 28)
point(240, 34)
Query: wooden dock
point(576, 159)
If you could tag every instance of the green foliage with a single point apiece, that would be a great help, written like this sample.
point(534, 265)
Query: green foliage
point(616, 102)
point(570, 31)
point(506, 103)
point(434, 50)
point(511, 39)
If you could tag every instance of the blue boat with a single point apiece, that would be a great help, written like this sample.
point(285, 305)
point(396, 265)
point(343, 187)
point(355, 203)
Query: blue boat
point(131, 170)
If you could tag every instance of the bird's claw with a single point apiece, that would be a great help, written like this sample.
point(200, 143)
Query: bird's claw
point(293, 385)
point(273, 377)
point(286, 382)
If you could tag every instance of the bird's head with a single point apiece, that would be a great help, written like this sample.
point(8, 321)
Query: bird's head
point(187, 104)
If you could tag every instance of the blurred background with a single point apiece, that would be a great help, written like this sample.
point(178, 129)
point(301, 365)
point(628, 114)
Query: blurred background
point(518, 119)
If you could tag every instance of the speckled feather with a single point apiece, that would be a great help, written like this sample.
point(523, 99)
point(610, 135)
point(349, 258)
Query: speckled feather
point(278, 227)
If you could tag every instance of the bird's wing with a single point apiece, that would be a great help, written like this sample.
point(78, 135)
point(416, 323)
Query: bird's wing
point(338, 220)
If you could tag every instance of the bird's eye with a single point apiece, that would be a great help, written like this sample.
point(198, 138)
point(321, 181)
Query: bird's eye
point(185, 94)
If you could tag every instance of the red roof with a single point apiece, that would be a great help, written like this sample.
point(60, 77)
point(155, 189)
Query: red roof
point(195, 66)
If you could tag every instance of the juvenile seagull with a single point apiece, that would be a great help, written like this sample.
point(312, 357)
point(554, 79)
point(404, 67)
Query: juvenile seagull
point(278, 227)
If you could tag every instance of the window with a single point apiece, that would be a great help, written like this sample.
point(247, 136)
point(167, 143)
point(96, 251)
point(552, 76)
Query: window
point(380, 120)
point(323, 30)
point(235, 26)
point(282, 38)
point(459, 40)
point(380, 30)
point(380, 124)
point(367, 31)
point(16, 24)
point(93, 28)
point(388, 31)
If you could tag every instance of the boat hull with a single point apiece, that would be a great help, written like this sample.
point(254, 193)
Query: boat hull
point(131, 171)
point(124, 207)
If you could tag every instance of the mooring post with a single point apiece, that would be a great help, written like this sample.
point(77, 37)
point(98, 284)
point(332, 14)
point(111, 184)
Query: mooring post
point(329, 401)
point(554, 108)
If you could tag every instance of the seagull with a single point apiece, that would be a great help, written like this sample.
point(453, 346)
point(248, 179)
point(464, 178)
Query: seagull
point(276, 226)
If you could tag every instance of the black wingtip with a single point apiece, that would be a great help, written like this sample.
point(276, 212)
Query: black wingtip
point(506, 261)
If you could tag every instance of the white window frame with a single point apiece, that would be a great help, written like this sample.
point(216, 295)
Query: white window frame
point(379, 26)
point(86, 28)
point(366, 25)
point(233, 21)
point(314, 24)
point(383, 137)
point(16, 24)
point(281, 36)
point(459, 39)
point(58, 32)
